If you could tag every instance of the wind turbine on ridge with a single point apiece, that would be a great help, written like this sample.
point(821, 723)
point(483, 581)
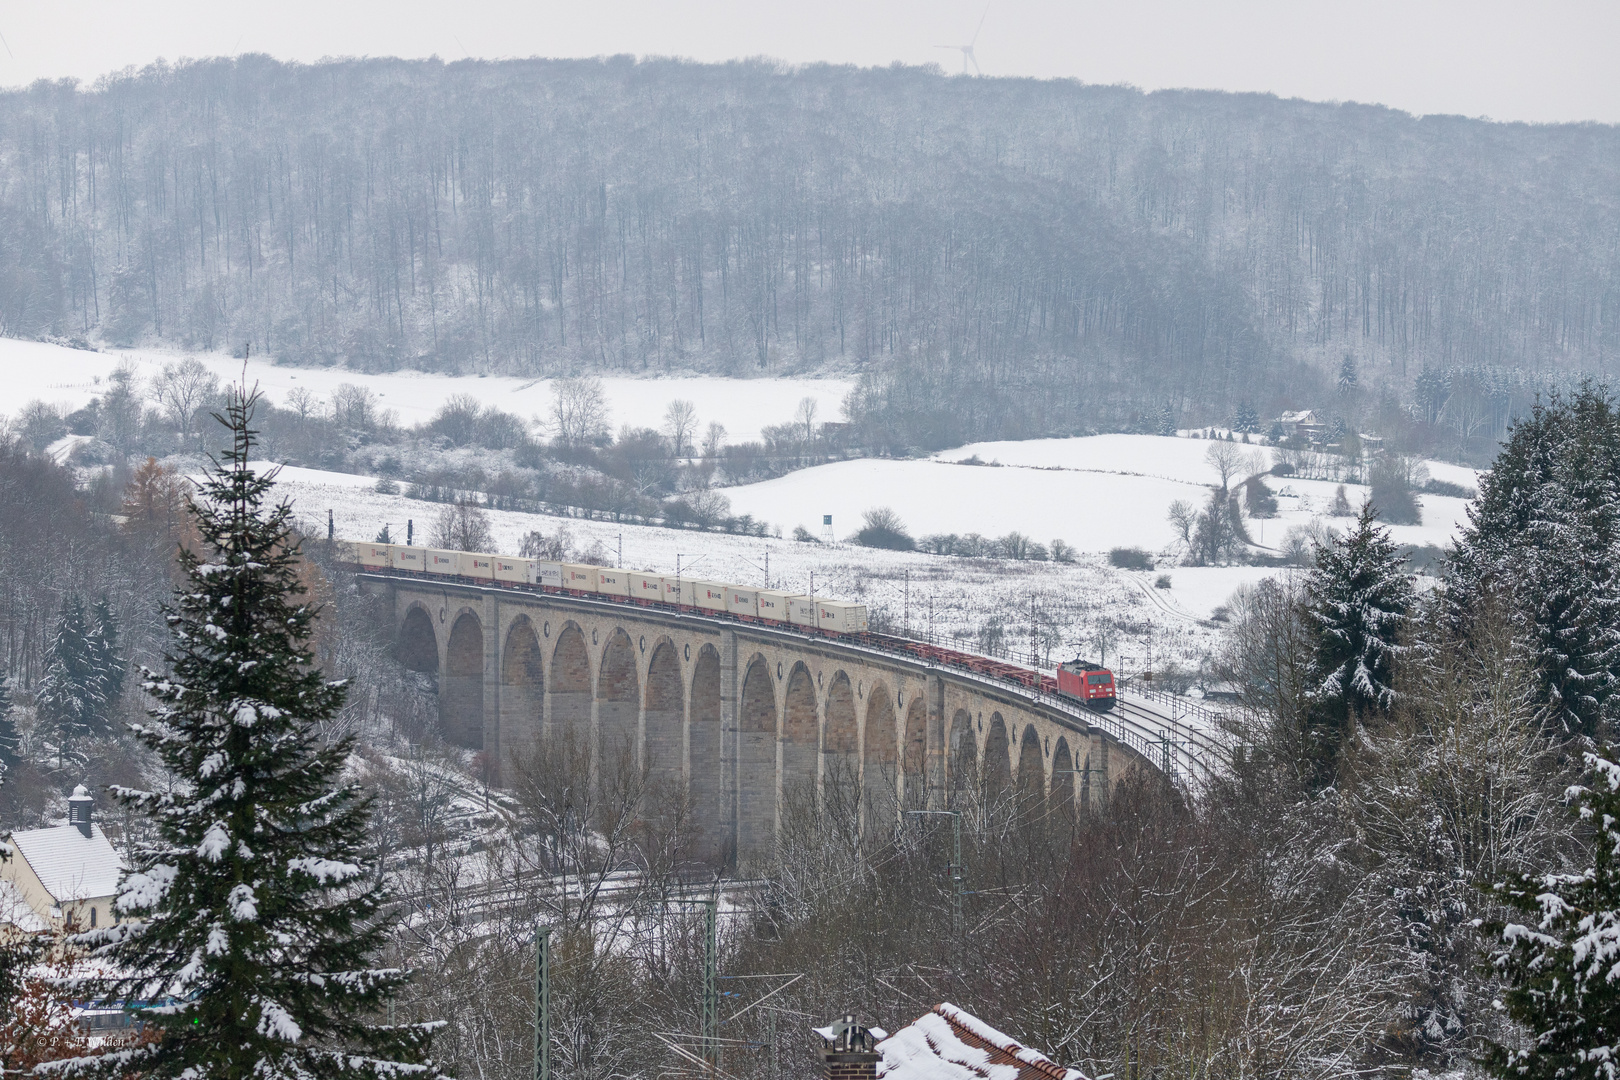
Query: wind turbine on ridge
point(967, 50)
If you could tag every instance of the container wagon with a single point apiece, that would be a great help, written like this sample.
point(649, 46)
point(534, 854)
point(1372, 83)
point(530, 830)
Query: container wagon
point(1089, 683)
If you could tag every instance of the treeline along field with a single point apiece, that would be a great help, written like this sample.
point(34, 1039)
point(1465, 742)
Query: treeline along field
point(1001, 257)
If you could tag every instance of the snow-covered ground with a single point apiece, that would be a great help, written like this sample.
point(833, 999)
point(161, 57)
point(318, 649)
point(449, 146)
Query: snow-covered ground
point(1092, 511)
point(1096, 492)
point(1087, 606)
point(71, 377)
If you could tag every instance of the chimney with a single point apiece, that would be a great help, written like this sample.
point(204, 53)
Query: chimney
point(79, 807)
point(849, 1050)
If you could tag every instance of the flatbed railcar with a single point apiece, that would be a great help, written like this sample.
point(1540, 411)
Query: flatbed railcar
point(1090, 683)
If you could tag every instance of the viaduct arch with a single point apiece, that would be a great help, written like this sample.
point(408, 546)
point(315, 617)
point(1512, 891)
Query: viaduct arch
point(738, 719)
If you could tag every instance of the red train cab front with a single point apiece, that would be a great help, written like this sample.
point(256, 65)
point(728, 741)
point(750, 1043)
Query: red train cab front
point(1091, 683)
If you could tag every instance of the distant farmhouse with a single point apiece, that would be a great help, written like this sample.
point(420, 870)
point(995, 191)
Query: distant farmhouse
point(1305, 425)
point(62, 877)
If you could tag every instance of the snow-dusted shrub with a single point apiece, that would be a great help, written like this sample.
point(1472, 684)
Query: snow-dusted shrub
point(1130, 558)
point(884, 529)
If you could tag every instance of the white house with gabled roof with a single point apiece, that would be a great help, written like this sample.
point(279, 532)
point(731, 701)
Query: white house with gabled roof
point(63, 875)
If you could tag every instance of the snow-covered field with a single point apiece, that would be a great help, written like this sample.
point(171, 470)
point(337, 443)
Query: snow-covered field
point(59, 375)
point(1092, 511)
point(1097, 492)
point(1094, 493)
point(1087, 606)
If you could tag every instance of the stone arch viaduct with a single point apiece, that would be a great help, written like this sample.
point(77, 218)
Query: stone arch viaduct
point(740, 713)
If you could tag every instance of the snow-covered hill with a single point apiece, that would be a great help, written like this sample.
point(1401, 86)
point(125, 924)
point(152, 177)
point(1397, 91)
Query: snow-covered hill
point(1096, 493)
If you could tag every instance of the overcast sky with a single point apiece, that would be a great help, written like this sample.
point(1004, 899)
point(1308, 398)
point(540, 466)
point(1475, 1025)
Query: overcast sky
point(1536, 60)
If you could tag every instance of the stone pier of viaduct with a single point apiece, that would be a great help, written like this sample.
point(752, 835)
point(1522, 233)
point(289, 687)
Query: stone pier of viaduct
point(738, 712)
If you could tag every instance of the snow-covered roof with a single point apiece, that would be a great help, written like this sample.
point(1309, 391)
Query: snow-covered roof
point(16, 912)
point(949, 1044)
point(69, 864)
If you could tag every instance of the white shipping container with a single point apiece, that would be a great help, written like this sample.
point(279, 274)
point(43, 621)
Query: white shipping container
point(801, 611)
point(709, 595)
point(476, 564)
point(678, 591)
point(772, 605)
point(549, 574)
point(741, 601)
point(376, 555)
point(513, 569)
point(647, 587)
point(407, 558)
point(842, 617)
point(612, 582)
point(435, 561)
point(578, 577)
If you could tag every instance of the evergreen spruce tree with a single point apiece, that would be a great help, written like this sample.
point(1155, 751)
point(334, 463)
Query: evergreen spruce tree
point(1577, 436)
point(1359, 598)
point(104, 647)
point(1247, 420)
point(1569, 598)
point(8, 726)
point(1562, 962)
point(1542, 532)
point(256, 910)
point(70, 695)
point(1167, 420)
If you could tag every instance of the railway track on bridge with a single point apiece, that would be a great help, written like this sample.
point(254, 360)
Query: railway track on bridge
point(1179, 741)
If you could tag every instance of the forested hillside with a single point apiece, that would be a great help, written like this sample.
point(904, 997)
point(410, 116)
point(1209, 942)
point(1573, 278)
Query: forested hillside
point(1004, 257)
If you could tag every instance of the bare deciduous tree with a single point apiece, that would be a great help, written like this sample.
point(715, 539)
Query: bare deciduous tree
point(184, 390)
point(680, 421)
point(1267, 654)
point(354, 407)
point(1459, 786)
point(558, 547)
point(579, 411)
point(804, 417)
point(1226, 458)
point(1184, 516)
point(707, 507)
point(714, 439)
point(462, 526)
point(303, 402)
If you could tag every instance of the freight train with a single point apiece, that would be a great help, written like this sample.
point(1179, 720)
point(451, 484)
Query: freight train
point(1090, 684)
point(582, 579)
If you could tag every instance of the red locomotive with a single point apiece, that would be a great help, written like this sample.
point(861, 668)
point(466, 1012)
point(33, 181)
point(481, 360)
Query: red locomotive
point(1091, 683)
